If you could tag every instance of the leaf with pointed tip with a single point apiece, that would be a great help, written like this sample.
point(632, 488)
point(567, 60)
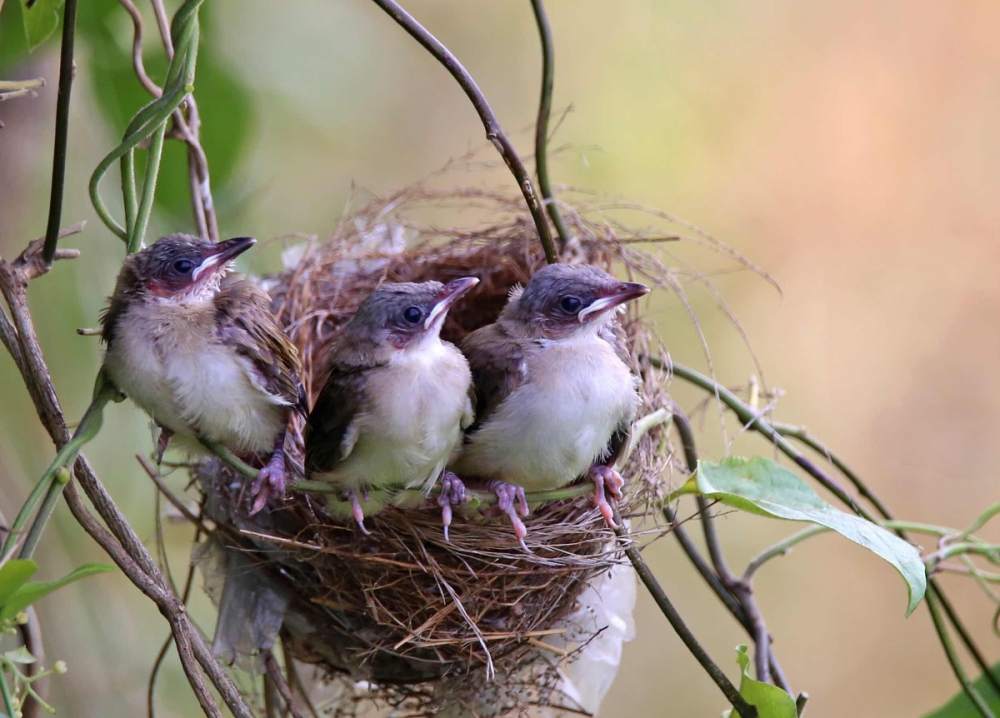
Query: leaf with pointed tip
point(961, 707)
point(28, 593)
point(763, 487)
point(41, 18)
point(770, 701)
point(14, 574)
point(20, 655)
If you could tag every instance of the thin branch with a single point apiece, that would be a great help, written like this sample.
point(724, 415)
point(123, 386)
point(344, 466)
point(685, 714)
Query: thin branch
point(62, 131)
point(494, 133)
point(542, 125)
point(680, 628)
point(978, 702)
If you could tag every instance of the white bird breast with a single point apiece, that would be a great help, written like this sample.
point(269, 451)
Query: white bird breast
point(170, 362)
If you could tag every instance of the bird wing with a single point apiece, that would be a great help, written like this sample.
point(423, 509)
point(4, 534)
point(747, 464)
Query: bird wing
point(331, 430)
point(614, 334)
point(244, 322)
point(498, 365)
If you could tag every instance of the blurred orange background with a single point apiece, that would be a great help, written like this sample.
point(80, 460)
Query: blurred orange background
point(852, 149)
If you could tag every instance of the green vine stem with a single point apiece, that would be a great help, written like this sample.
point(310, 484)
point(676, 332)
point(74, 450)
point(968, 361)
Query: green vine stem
point(542, 125)
point(956, 664)
point(66, 71)
point(8, 700)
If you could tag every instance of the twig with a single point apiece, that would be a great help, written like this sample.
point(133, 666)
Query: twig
point(542, 125)
point(740, 589)
point(684, 633)
point(780, 549)
point(62, 131)
point(494, 133)
point(31, 637)
point(956, 664)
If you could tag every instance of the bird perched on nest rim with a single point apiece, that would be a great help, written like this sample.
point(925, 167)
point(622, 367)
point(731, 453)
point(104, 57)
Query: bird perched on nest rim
point(555, 392)
point(396, 401)
point(206, 359)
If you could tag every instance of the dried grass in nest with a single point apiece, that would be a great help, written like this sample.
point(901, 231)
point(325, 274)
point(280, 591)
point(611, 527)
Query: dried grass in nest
point(402, 608)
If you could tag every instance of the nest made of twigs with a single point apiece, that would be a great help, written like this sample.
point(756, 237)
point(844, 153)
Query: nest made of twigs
point(402, 609)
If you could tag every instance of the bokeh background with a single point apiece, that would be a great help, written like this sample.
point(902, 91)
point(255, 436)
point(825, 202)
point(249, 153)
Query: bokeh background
point(850, 148)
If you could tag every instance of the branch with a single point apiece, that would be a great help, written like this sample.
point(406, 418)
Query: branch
point(494, 133)
point(62, 131)
point(542, 125)
point(659, 595)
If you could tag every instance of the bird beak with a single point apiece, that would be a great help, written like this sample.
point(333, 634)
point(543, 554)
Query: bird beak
point(449, 295)
point(223, 253)
point(624, 292)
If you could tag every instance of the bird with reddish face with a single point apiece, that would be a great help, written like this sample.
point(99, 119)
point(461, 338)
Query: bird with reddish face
point(555, 391)
point(203, 355)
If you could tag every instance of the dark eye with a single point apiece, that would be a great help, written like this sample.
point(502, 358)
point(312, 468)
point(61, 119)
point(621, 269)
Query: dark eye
point(570, 304)
point(413, 314)
point(183, 266)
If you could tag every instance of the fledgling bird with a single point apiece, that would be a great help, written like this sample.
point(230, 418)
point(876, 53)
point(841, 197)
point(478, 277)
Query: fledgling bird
point(397, 399)
point(204, 358)
point(555, 395)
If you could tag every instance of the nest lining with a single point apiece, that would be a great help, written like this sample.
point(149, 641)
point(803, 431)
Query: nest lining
point(402, 609)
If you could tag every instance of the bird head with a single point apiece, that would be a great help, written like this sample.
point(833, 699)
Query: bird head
point(181, 268)
point(404, 316)
point(562, 300)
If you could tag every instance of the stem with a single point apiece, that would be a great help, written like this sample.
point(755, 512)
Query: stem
point(62, 131)
point(5, 692)
point(780, 549)
point(494, 133)
point(148, 189)
point(56, 487)
point(956, 665)
point(980, 521)
point(128, 191)
point(680, 628)
point(542, 126)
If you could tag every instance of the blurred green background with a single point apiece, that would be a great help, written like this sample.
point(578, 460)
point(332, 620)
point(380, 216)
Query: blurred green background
point(850, 148)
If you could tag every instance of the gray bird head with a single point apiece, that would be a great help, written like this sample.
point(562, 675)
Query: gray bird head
point(180, 267)
point(400, 315)
point(563, 299)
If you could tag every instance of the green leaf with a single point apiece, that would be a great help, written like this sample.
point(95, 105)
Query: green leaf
point(41, 19)
point(961, 707)
point(770, 701)
point(13, 575)
point(20, 655)
point(28, 593)
point(762, 487)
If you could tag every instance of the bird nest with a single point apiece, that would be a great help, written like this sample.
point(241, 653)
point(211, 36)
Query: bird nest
point(474, 625)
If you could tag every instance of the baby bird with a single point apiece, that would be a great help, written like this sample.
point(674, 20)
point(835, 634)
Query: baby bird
point(397, 399)
point(555, 395)
point(205, 359)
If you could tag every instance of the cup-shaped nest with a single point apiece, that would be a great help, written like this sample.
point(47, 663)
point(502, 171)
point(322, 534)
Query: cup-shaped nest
point(473, 624)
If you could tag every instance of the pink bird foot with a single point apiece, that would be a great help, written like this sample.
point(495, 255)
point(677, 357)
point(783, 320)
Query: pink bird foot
point(359, 512)
point(506, 494)
point(604, 477)
point(161, 443)
point(270, 482)
point(452, 494)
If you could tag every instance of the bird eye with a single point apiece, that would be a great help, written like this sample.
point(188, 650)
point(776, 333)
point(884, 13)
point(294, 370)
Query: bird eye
point(570, 304)
point(183, 266)
point(413, 314)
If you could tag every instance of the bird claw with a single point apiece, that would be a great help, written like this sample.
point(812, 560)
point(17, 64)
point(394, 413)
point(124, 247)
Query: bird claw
point(506, 495)
point(270, 482)
point(452, 494)
point(604, 477)
point(161, 443)
point(359, 512)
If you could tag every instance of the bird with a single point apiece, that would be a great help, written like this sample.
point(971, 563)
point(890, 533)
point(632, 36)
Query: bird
point(202, 354)
point(396, 401)
point(555, 390)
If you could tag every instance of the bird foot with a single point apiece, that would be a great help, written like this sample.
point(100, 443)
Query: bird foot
point(270, 482)
point(452, 494)
point(161, 443)
point(604, 477)
point(359, 512)
point(506, 495)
